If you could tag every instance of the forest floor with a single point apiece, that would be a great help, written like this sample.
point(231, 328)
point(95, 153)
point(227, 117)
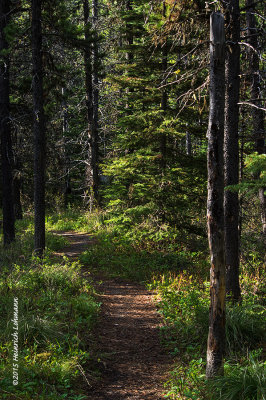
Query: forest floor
point(127, 335)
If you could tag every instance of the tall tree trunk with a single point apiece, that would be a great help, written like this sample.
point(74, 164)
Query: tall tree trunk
point(92, 100)
point(5, 129)
point(257, 114)
point(231, 149)
point(90, 170)
point(188, 144)
point(164, 93)
point(215, 212)
point(17, 183)
point(129, 34)
point(39, 129)
point(95, 94)
point(66, 184)
point(163, 137)
point(129, 54)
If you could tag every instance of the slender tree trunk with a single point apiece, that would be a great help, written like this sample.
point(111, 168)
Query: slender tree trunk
point(129, 54)
point(164, 94)
point(5, 129)
point(90, 170)
point(95, 94)
point(39, 130)
point(66, 188)
point(17, 183)
point(188, 144)
point(215, 213)
point(163, 137)
point(231, 149)
point(257, 114)
point(92, 100)
point(129, 34)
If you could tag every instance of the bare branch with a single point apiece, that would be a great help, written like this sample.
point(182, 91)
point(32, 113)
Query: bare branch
point(246, 103)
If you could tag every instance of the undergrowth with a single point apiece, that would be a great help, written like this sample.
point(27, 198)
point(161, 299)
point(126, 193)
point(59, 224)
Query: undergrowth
point(172, 263)
point(57, 312)
point(175, 265)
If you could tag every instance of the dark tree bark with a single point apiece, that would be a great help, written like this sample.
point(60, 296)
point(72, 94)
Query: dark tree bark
point(17, 183)
point(95, 94)
point(5, 129)
point(257, 114)
point(215, 212)
point(129, 34)
point(89, 100)
point(231, 149)
point(66, 161)
point(164, 93)
point(39, 129)
point(92, 101)
point(188, 144)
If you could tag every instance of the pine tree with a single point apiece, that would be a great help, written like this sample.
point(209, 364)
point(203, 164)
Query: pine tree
point(39, 129)
point(231, 149)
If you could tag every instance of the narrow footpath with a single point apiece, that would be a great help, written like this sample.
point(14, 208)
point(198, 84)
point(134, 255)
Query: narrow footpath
point(135, 364)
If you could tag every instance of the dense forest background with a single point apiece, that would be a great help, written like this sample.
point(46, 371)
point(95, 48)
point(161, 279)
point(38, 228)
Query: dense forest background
point(104, 116)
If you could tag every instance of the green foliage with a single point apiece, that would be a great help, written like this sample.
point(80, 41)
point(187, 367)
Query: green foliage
point(245, 380)
point(184, 303)
point(57, 311)
point(188, 381)
point(73, 219)
point(255, 175)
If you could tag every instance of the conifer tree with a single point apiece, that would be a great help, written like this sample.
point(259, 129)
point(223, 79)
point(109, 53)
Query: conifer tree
point(231, 150)
point(39, 129)
point(256, 109)
point(215, 209)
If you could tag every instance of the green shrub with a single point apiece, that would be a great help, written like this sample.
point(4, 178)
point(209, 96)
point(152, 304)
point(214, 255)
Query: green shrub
point(242, 381)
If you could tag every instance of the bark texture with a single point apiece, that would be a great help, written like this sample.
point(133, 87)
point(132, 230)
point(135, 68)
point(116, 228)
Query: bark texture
point(5, 129)
point(89, 100)
point(92, 100)
point(164, 93)
point(256, 79)
point(215, 214)
point(231, 149)
point(39, 130)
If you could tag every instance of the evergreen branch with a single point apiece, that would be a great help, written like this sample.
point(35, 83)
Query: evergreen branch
point(251, 5)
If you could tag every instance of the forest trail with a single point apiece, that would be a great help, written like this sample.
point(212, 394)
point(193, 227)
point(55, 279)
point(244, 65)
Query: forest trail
point(134, 362)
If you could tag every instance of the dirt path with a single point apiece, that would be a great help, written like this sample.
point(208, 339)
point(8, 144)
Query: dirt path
point(135, 364)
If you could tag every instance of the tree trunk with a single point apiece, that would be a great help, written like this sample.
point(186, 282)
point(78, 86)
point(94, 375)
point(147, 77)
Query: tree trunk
point(231, 150)
point(5, 129)
point(215, 214)
point(188, 144)
point(129, 34)
point(66, 162)
point(257, 114)
point(92, 100)
point(95, 94)
point(89, 101)
point(17, 183)
point(164, 94)
point(39, 130)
